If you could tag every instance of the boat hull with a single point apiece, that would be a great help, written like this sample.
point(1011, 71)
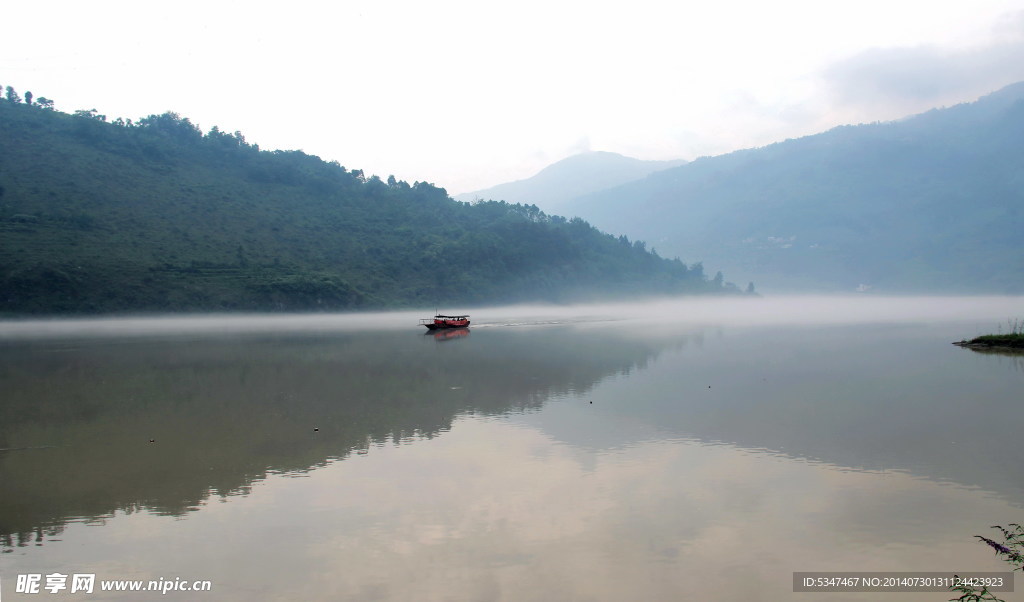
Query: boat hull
point(446, 326)
point(444, 322)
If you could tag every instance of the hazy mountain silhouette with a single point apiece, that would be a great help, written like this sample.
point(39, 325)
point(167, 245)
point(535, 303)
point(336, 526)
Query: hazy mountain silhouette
point(931, 202)
point(571, 177)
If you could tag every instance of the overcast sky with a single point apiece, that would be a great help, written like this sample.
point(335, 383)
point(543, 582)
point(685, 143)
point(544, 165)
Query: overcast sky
point(469, 94)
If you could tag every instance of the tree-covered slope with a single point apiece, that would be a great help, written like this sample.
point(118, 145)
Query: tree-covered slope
point(157, 216)
point(928, 203)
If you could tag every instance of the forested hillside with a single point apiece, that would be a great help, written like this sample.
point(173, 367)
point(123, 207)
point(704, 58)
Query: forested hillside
point(155, 215)
point(930, 203)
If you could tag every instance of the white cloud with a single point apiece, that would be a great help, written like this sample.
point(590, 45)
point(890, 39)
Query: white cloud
point(468, 94)
point(895, 81)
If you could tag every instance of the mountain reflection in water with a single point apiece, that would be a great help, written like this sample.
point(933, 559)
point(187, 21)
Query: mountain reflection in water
point(92, 427)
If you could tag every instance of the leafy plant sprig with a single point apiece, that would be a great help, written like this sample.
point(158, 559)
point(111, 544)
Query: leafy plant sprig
point(1011, 551)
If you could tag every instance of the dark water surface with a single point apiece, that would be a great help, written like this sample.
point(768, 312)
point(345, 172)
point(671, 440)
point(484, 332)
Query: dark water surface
point(672, 451)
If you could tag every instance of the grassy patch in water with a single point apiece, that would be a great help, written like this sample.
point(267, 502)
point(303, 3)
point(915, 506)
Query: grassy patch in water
point(1015, 340)
point(1012, 339)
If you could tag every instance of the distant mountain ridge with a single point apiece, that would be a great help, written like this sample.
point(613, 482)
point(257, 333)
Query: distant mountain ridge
point(928, 203)
point(571, 177)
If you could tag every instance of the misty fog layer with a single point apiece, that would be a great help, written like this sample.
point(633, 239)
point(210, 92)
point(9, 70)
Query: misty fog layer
point(983, 313)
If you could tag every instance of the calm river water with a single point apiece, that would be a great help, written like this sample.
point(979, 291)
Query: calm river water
point(686, 450)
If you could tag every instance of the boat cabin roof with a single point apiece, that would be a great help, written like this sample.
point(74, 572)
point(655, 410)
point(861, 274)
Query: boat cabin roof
point(452, 317)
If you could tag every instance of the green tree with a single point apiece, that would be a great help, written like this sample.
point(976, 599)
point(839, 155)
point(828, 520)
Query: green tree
point(173, 126)
point(28, 98)
point(90, 114)
point(12, 96)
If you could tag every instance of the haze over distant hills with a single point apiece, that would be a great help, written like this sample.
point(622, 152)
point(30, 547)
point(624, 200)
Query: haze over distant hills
point(571, 177)
point(929, 203)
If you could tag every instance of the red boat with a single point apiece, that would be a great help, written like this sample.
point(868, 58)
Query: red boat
point(441, 321)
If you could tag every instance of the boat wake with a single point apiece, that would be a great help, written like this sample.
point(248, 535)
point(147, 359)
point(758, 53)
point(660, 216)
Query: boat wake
point(561, 322)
